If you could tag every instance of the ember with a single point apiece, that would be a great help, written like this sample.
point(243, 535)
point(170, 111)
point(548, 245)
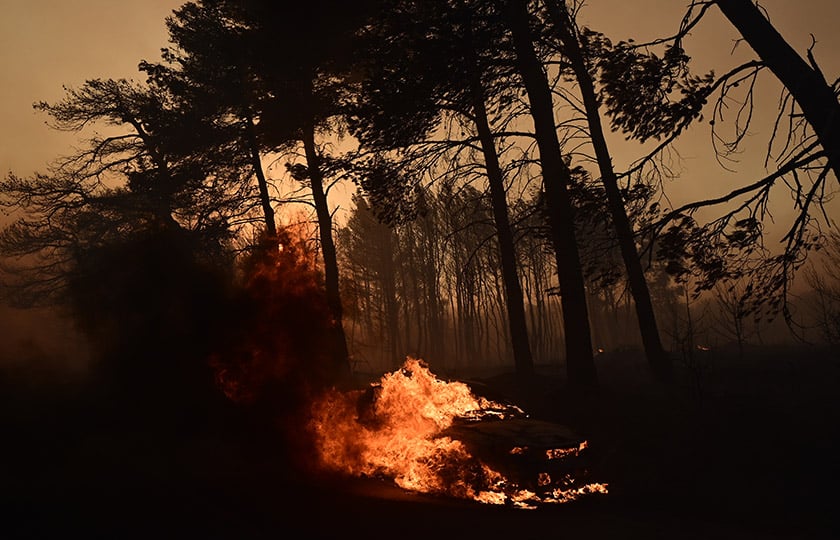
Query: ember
point(431, 436)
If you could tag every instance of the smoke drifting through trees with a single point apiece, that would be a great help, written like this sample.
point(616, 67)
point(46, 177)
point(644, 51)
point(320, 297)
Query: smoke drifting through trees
point(480, 234)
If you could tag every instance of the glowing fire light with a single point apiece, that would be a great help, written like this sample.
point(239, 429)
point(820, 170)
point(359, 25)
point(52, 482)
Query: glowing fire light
point(395, 431)
point(560, 453)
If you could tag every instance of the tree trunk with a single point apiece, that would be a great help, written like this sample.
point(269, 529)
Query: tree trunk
point(341, 355)
point(648, 329)
point(430, 269)
point(580, 365)
point(389, 291)
point(262, 183)
point(805, 83)
point(404, 268)
point(513, 291)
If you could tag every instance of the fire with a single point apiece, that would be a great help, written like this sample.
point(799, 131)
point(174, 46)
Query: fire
point(397, 430)
point(276, 316)
point(560, 453)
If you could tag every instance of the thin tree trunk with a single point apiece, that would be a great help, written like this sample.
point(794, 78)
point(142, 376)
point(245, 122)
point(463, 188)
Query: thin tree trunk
point(406, 307)
point(341, 355)
point(454, 343)
point(522, 358)
point(648, 328)
point(416, 345)
point(580, 365)
point(431, 268)
point(368, 311)
point(806, 83)
point(262, 183)
point(389, 291)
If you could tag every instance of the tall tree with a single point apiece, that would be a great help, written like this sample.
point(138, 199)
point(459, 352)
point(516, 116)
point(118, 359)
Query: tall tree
point(567, 30)
point(145, 175)
point(130, 236)
point(298, 73)
point(806, 82)
point(205, 68)
point(370, 245)
point(452, 69)
point(556, 181)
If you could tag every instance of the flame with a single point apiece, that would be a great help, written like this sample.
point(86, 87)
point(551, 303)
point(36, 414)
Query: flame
point(560, 453)
point(276, 317)
point(394, 430)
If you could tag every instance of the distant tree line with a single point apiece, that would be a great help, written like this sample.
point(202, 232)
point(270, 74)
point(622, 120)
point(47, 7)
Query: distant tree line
point(489, 224)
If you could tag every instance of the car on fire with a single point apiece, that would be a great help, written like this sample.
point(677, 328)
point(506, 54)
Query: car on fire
point(537, 461)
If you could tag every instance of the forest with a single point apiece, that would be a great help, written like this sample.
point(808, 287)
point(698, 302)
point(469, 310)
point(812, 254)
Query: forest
point(280, 205)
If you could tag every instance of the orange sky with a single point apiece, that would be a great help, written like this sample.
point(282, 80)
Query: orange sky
point(45, 44)
point(713, 45)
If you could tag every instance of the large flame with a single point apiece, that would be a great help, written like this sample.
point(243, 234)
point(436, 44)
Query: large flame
point(395, 430)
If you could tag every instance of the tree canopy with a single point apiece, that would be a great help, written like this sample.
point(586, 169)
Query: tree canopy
point(484, 190)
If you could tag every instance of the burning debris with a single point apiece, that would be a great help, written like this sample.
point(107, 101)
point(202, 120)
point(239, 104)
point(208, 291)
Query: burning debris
point(438, 437)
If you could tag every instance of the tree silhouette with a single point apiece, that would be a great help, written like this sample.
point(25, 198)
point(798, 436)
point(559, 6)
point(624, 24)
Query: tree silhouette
point(454, 71)
point(131, 236)
point(369, 244)
point(206, 69)
point(569, 35)
point(556, 181)
point(299, 78)
point(144, 175)
point(806, 82)
point(802, 144)
point(732, 313)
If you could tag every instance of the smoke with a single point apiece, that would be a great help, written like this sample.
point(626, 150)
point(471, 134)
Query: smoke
point(275, 355)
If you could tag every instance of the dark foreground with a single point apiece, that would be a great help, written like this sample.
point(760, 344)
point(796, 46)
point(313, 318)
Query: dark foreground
point(745, 449)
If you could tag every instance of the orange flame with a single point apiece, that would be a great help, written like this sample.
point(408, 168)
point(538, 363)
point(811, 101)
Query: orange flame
point(399, 437)
point(278, 314)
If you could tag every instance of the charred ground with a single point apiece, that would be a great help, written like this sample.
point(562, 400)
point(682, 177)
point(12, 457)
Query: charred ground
point(743, 449)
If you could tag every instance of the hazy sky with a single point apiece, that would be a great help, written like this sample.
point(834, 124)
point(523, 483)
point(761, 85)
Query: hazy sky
point(45, 44)
point(714, 45)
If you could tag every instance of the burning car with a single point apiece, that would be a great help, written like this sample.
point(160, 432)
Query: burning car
point(441, 437)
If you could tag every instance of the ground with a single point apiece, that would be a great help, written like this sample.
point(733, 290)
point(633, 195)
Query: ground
point(727, 449)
